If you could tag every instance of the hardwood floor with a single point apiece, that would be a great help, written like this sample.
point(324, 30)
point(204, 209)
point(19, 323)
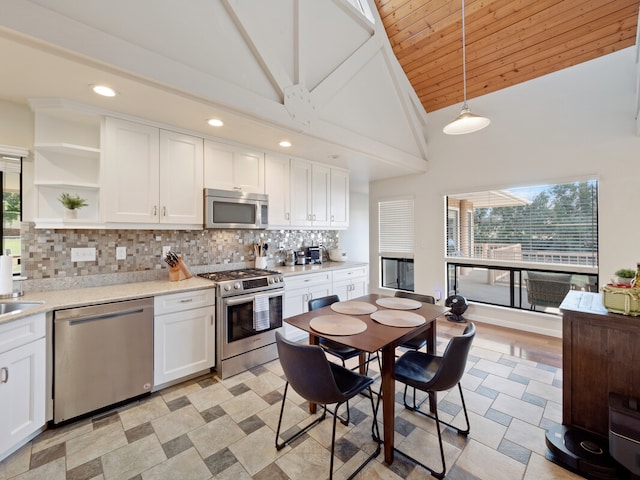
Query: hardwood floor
point(516, 343)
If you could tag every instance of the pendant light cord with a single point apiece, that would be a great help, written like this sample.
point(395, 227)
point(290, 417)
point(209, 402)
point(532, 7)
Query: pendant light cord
point(464, 61)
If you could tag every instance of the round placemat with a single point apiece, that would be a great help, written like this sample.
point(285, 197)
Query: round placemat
point(398, 318)
point(337, 325)
point(354, 308)
point(399, 303)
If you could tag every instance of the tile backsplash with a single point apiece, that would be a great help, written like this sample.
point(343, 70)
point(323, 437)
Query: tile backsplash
point(46, 253)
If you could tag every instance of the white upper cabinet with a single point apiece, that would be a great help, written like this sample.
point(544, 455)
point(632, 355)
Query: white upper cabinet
point(300, 193)
point(180, 178)
point(227, 167)
point(339, 198)
point(306, 194)
point(131, 172)
point(277, 188)
point(151, 176)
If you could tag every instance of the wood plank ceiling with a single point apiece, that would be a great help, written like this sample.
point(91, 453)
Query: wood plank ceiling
point(508, 41)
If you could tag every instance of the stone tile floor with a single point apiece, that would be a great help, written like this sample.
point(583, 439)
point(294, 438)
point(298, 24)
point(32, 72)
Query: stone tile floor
point(212, 429)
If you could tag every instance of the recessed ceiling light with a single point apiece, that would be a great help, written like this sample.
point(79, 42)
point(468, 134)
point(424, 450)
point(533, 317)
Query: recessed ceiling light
point(214, 122)
point(285, 144)
point(103, 90)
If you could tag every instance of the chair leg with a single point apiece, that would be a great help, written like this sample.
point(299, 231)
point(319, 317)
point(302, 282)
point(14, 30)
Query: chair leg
point(280, 446)
point(464, 432)
point(416, 408)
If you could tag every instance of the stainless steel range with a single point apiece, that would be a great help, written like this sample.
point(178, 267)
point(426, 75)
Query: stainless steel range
point(248, 313)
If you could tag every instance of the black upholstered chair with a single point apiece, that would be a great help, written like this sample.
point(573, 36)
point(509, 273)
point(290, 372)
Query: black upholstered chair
point(342, 352)
point(432, 373)
point(320, 381)
point(416, 343)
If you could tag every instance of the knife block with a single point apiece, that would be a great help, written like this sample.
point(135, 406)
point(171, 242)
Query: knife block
point(174, 274)
point(179, 272)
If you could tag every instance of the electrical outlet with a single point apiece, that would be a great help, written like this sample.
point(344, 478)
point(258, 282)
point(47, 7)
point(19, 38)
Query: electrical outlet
point(83, 254)
point(165, 249)
point(121, 253)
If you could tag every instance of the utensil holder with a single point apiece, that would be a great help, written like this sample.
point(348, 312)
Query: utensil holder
point(261, 262)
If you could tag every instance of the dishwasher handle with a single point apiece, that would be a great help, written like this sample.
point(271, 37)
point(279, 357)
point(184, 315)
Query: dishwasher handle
point(104, 316)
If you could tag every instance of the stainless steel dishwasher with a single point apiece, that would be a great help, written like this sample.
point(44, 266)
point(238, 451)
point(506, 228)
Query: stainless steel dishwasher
point(103, 354)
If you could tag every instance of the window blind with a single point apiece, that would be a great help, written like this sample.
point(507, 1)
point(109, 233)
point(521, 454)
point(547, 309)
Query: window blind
point(395, 230)
point(544, 224)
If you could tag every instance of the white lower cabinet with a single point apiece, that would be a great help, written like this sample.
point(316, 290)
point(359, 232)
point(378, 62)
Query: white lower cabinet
point(183, 335)
point(299, 289)
point(351, 283)
point(22, 381)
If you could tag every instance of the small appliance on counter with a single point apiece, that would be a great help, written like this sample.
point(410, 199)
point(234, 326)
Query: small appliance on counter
point(301, 257)
point(315, 255)
point(290, 258)
point(337, 255)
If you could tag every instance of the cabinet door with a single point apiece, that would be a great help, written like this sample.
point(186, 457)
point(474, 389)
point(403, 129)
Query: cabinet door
point(318, 291)
point(277, 187)
point(339, 198)
point(295, 301)
point(22, 393)
point(183, 344)
point(300, 193)
point(232, 168)
point(131, 173)
point(180, 178)
point(320, 194)
point(342, 289)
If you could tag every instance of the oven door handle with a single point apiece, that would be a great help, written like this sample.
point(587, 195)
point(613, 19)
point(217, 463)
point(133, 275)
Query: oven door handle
point(249, 298)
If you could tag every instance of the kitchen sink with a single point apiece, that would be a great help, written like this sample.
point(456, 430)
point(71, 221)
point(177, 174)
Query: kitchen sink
point(10, 307)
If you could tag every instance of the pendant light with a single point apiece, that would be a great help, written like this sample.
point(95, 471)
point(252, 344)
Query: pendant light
point(466, 122)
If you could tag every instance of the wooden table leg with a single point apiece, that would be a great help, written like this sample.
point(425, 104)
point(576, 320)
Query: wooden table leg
point(388, 399)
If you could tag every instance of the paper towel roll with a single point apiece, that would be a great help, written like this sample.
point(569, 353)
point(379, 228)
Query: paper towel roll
point(6, 274)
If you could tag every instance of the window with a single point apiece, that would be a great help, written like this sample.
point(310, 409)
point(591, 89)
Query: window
point(517, 242)
point(395, 240)
point(11, 212)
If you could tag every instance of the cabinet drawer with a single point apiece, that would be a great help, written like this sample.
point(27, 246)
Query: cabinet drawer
point(347, 273)
point(177, 302)
point(22, 331)
point(306, 280)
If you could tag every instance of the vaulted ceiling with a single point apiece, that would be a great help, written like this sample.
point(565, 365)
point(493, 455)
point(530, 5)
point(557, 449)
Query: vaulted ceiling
point(507, 41)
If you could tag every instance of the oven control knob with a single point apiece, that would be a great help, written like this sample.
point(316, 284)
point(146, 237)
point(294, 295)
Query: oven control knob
point(227, 287)
point(281, 279)
point(273, 280)
point(237, 286)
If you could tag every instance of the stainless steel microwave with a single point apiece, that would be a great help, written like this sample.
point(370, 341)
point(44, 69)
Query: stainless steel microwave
point(231, 209)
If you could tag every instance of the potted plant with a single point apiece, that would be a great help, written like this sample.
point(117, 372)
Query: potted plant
point(72, 203)
point(625, 275)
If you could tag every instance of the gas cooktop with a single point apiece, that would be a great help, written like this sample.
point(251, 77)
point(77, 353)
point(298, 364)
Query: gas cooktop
point(245, 280)
point(240, 274)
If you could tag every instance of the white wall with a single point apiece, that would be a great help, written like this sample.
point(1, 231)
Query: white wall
point(16, 125)
point(568, 125)
point(355, 240)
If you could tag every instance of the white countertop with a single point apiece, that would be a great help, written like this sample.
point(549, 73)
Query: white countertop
point(301, 269)
point(77, 297)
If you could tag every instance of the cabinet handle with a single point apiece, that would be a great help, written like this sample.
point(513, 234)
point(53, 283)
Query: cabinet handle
point(211, 319)
point(186, 300)
point(238, 188)
point(4, 375)
point(333, 218)
point(287, 216)
point(164, 211)
point(314, 217)
point(155, 211)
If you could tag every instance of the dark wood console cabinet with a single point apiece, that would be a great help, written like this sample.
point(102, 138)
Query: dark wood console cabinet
point(601, 354)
